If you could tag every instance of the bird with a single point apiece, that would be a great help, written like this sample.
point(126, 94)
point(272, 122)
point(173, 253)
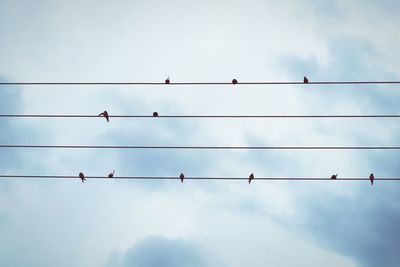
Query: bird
point(305, 80)
point(182, 176)
point(105, 114)
point(234, 81)
point(167, 80)
point(372, 178)
point(82, 176)
point(155, 114)
point(333, 177)
point(251, 177)
point(111, 175)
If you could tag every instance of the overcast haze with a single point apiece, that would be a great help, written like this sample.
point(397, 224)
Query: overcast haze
point(129, 223)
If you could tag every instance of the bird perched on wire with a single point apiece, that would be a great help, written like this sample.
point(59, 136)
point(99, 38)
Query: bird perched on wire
point(155, 114)
point(111, 175)
point(167, 80)
point(251, 177)
point(182, 177)
point(372, 178)
point(334, 177)
point(82, 176)
point(105, 115)
point(305, 80)
point(234, 81)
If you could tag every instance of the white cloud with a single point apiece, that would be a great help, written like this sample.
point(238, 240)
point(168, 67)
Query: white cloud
point(81, 225)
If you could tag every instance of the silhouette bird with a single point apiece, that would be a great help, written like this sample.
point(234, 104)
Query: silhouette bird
point(333, 177)
point(82, 176)
point(105, 114)
point(251, 177)
point(372, 178)
point(182, 176)
point(305, 80)
point(234, 81)
point(155, 114)
point(167, 80)
point(111, 175)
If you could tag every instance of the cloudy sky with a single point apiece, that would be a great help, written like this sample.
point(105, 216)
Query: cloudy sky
point(119, 223)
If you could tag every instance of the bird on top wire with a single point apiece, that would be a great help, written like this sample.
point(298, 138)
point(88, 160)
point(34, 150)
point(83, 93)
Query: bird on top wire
point(82, 176)
point(372, 178)
point(251, 177)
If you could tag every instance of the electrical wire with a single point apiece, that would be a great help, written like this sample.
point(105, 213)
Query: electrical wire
point(205, 147)
point(196, 178)
point(202, 83)
point(199, 116)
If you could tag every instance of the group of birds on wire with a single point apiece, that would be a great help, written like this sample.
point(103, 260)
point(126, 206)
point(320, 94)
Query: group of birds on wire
point(305, 80)
point(107, 117)
point(234, 82)
point(250, 178)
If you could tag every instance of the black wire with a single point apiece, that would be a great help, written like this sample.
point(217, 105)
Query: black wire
point(206, 147)
point(201, 83)
point(197, 116)
point(197, 178)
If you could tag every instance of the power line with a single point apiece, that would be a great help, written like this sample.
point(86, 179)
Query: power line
point(202, 83)
point(205, 147)
point(198, 116)
point(196, 178)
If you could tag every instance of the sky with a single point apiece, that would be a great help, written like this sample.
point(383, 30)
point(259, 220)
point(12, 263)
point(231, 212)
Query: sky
point(129, 223)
